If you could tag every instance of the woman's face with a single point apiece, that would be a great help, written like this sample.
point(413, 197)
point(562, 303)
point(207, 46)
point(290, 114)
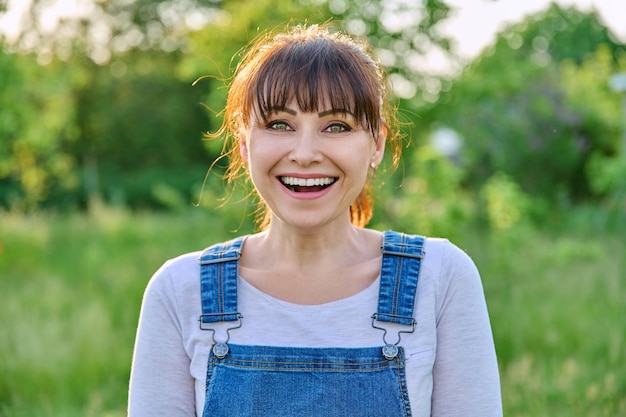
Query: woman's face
point(310, 167)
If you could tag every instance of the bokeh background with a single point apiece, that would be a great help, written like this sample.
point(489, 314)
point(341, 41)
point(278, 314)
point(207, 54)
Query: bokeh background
point(515, 151)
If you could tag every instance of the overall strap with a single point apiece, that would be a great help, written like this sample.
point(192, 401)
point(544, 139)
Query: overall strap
point(402, 257)
point(218, 279)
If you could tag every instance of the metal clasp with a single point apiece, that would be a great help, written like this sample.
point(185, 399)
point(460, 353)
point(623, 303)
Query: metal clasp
point(220, 349)
point(390, 350)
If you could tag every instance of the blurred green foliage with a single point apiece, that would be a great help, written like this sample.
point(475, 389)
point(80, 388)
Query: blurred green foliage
point(38, 119)
point(535, 106)
point(99, 132)
point(71, 286)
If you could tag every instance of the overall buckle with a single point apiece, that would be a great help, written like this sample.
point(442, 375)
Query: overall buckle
point(220, 349)
point(390, 350)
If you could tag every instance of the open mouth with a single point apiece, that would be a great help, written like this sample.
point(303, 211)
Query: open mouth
point(307, 185)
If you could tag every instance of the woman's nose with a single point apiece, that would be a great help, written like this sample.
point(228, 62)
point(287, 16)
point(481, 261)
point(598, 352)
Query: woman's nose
point(306, 149)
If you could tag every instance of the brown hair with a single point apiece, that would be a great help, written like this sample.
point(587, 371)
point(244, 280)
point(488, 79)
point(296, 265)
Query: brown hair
point(308, 65)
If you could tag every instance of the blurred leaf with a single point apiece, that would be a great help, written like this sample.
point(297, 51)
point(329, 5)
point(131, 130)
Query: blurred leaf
point(537, 104)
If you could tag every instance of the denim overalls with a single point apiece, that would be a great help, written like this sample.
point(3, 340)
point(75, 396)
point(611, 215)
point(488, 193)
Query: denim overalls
point(297, 381)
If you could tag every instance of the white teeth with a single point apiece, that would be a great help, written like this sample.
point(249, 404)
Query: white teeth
point(307, 182)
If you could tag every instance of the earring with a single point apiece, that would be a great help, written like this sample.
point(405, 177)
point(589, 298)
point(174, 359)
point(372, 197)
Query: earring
point(373, 165)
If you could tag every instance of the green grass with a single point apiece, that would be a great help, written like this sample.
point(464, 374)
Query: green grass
point(71, 286)
point(70, 292)
point(557, 307)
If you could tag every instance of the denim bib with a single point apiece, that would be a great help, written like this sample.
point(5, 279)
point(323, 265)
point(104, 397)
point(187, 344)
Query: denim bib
point(296, 381)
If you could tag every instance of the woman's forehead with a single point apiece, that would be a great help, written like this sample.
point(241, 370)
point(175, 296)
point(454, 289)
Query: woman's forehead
point(294, 109)
point(310, 102)
point(325, 106)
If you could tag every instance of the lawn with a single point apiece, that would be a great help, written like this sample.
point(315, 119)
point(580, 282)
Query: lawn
point(71, 286)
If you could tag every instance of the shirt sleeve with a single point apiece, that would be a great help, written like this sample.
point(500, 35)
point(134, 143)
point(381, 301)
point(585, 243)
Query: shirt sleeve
point(466, 381)
point(160, 382)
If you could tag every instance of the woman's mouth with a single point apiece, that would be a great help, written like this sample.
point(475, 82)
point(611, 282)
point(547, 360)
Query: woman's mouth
point(307, 185)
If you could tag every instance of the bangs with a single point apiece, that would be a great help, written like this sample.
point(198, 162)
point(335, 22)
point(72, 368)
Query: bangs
point(318, 71)
point(318, 76)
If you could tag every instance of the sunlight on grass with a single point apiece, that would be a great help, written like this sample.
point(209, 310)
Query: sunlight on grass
point(71, 287)
point(556, 307)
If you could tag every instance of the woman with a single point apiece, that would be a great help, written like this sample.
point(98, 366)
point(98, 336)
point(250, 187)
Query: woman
point(309, 317)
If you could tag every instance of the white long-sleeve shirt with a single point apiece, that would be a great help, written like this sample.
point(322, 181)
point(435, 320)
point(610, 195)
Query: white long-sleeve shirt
point(451, 366)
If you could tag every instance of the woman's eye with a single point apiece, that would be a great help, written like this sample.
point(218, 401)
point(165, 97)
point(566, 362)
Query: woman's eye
point(278, 125)
point(337, 128)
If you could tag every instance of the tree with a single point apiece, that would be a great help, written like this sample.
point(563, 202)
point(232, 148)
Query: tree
point(115, 82)
point(100, 29)
point(35, 125)
point(521, 112)
point(403, 34)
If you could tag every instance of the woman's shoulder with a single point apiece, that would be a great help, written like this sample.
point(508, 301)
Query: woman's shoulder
point(447, 250)
point(186, 267)
point(439, 246)
point(450, 266)
point(175, 273)
point(442, 258)
point(183, 262)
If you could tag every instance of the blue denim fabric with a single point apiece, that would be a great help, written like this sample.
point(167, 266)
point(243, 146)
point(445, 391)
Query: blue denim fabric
point(285, 381)
point(219, 266)
point(290, 381)
point(402, 257)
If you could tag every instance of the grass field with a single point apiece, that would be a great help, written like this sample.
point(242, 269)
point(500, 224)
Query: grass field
point(71, 286)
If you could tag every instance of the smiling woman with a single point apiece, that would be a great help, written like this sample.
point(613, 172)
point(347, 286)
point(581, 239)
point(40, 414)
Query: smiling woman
point(314, 315)
point(329, 146)
point(306, 71)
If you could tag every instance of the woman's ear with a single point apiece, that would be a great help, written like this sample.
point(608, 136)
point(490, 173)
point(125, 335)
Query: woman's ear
point(379, 148)
point(243, 148)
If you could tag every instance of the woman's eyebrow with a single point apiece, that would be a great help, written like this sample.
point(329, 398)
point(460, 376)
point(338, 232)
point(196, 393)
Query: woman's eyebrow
point(335, 111)
point(276, 109)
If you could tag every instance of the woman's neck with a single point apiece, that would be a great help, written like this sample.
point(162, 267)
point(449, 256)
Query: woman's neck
point(311, 268)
